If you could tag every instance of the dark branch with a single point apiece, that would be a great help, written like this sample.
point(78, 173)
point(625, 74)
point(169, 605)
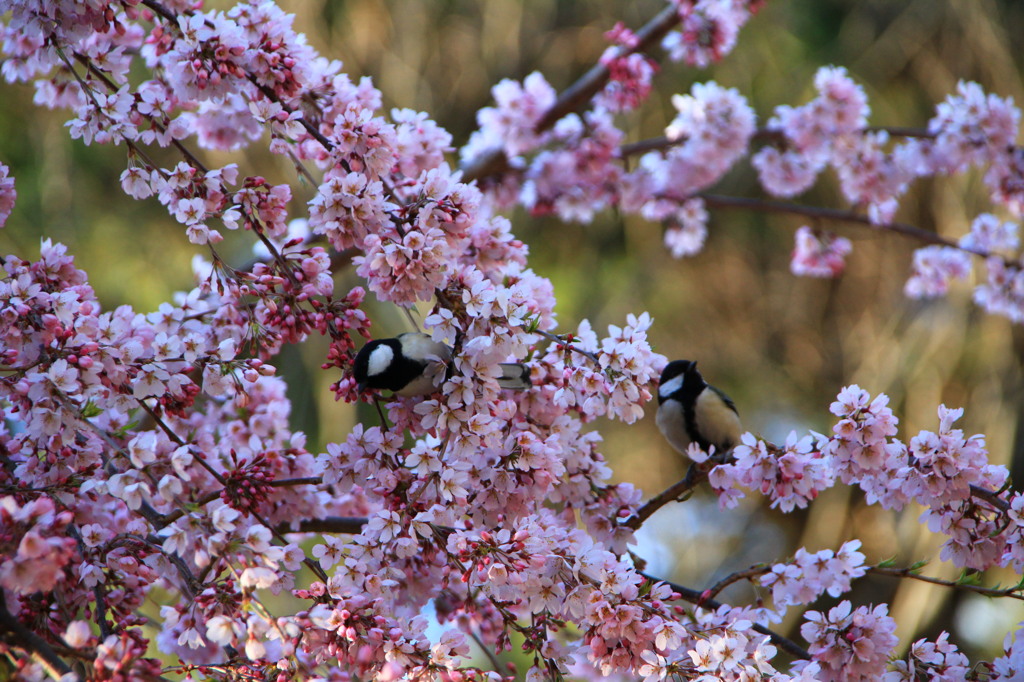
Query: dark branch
point(821, 213)
point(494, 162)
point(17, 634)
point(352, 525)
point(694, 476)
point(1011, 592)
point(990, 496)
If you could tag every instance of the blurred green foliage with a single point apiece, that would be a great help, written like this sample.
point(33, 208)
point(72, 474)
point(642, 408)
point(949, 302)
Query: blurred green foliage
point(781, 346)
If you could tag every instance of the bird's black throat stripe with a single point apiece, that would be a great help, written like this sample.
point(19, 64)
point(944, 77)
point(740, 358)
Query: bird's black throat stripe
point(688, 399)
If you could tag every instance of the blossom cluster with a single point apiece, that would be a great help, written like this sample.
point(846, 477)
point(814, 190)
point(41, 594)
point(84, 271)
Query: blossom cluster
point(941, 471)
point(850, 644)
point(212, 471)
point(809, 575)
point(8, 194)
point(150, 455)
point(791, 476)
point(818, 254)
point(708, 29)
point(576, 168)
point(35, 539)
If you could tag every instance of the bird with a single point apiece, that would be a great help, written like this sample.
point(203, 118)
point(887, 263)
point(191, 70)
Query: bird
point(692, 411)
point(410, 364)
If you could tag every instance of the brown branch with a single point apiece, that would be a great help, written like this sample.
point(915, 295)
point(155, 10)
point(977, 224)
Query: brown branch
point(903, 131)
point(701, 600)
point(821, 213)
point(310, 564)
point(157, 8)
point(178, 441)
point(590, 83)
point(15, 633)
point(209, 497)
point(1011, 592)
point(694, 476)
point(494, 162)
point(351, 525)
point(752, 572)
point(554, 338)
point(491, 656)
point(990, 496)
point(768, 134)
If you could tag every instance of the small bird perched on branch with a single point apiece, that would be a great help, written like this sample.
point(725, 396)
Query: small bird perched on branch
point(692, 411)
point(412, 363)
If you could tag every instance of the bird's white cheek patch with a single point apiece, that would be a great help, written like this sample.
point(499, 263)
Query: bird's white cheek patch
point(380, 360)
point(670, 386)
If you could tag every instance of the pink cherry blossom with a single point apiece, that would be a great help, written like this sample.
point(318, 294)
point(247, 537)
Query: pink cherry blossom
point(934, 268)
point(152, 453)
point(7, 194)
point(819, 255)
point(988, 234)
point(850, 644)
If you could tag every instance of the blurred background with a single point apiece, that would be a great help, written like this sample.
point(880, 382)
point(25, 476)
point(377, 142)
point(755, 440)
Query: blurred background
point(781, 346)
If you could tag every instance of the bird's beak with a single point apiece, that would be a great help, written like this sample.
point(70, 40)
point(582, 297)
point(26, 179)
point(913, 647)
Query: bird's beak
point(361, 386)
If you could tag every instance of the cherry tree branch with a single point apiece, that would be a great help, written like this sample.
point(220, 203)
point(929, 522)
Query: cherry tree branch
point(192, 159)
point(732, 578)
point(179, 442)
point(990, 496)
point(494, 162)
point(911, 573)
point(694, 477)
point(590, 83)
point(267, 92)
point(834, 214)
point(488, 652)
point(700, 600)
point(351, 525)
point(17, 634)
point(664, 142)
point(209, 497)
point(565, 343)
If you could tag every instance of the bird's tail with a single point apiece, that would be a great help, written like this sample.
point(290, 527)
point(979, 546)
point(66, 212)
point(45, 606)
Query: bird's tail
point(514, 376)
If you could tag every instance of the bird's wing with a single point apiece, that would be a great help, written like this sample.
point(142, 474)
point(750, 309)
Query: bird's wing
point(725, 399)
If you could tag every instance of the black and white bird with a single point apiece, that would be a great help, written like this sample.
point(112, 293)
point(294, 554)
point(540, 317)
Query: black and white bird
point(414, 364)
point(692, 411)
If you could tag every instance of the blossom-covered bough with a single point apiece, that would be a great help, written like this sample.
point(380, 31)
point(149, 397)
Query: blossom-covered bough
point(148, 457)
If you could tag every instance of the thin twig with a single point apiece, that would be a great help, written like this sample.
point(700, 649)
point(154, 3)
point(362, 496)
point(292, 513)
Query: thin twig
point(1011, 592)
point(98, 588)
point(554, 338)
point(663, 142)
point(590, 83)
point(491, 656)
point(840, 215)
point(179, 442)
point(312, 565)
